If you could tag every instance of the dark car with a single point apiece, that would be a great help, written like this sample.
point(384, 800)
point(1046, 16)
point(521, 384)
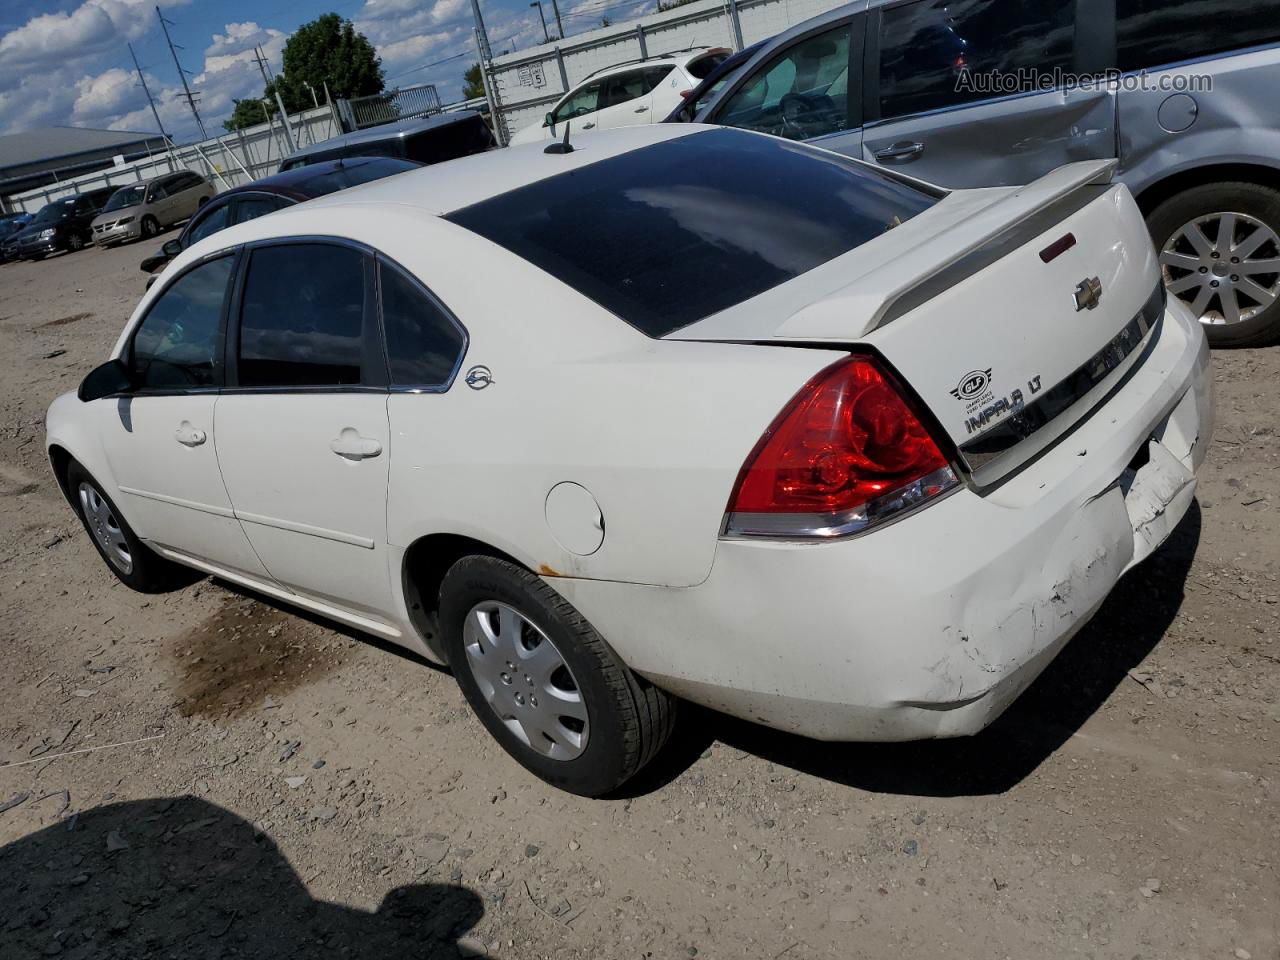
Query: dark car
point(701, 95)
point(445, 136)
point(11, 225)
point(272, 193)
point(61, 225)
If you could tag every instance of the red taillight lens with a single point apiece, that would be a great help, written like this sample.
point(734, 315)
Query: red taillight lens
point(848, 449)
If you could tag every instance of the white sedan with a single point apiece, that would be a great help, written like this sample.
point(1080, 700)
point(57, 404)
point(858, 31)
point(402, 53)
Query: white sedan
point(687, 413)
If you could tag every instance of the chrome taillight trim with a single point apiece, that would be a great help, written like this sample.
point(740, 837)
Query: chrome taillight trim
point(875, 513)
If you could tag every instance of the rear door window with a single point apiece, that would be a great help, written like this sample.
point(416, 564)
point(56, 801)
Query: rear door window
point(802, 93)
point(931, 50)
point(1152, 33)
point(424, 343)
point(674, 232)
point(178, 345)
point(302, 317)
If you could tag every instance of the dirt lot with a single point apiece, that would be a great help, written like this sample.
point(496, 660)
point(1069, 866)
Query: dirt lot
point(296, 790)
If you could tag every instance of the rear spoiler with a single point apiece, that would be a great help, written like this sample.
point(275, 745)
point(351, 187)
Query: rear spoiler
point(962, 250)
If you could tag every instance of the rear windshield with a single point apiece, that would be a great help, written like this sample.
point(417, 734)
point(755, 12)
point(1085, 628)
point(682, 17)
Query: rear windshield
point(675, 232)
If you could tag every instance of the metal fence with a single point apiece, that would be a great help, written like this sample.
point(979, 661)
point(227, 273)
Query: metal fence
point(399, 104)
point(228, 161)
point(527, 83)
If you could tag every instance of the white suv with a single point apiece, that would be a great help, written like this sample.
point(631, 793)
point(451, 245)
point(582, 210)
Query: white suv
point(641, 91)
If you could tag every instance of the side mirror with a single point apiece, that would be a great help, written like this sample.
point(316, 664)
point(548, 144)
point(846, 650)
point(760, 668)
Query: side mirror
point(547, 121)
point(110, 378)
point(171, 248)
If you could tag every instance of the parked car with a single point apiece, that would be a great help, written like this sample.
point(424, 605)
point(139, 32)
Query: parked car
point(639, 91)
point(60, 225)
point(853, 459)
point(1203, 164)
point(10, 226)
point(445, 136)
point(141, 210)
point(701, 95)
point(273, 193)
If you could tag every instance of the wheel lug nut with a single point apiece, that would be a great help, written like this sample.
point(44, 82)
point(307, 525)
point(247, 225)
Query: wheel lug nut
point(1213, 283)
point(1204, 269)
point(1234, 278)
point(1235, 259)
point(533, 701)
point(1215, 254)
point(506, 677)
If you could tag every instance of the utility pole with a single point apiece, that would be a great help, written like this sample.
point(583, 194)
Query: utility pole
point(147, 90)
point(490, 84)
point(555, 7)
point(182, 75)
point(543, 17)
point(263, 68)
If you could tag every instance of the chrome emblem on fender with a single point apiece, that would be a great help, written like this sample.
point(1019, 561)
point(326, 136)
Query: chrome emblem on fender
point(1088, 294)
point(478, 378)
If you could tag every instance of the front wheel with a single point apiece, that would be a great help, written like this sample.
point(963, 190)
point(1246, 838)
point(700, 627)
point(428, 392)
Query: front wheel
point(1219, 248)
point(134, 563)
point(75, 242)
point(544, 683)
point(150, 227)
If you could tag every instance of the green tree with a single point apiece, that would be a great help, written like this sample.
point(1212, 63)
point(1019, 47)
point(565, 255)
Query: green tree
point(328, 50)
point(248, 113)
point(473, 83)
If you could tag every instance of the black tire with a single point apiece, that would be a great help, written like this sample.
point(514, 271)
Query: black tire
point(149, 226)
point(150, 573)
point(629, 719)
point(1261, 203)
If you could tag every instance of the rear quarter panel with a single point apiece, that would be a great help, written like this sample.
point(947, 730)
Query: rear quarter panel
point(1235, 122)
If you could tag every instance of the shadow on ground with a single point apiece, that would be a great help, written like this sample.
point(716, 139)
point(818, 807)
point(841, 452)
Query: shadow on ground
point(1127, 627)
point(184, 878)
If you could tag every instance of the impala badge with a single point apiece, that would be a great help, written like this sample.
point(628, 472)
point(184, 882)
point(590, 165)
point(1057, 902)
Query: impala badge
point(1088, 294)
point(478, 378)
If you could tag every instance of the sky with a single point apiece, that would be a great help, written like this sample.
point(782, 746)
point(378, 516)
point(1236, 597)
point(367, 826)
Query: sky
point(66, 62)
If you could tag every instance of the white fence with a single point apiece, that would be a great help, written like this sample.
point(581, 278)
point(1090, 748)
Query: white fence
point(228, 161)
point(527, 83)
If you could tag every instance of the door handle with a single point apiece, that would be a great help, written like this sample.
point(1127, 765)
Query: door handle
point(587, 126)
point(904, 151)
point(641, 109)
point(189, 436)
point(351, 446)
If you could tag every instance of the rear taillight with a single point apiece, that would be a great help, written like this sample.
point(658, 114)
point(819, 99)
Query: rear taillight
point(846, 453)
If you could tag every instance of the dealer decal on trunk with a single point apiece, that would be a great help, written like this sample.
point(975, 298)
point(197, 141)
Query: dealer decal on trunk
point(982, 406)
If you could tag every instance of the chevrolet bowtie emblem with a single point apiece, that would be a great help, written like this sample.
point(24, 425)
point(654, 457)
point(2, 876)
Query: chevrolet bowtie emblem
point(1088, 294)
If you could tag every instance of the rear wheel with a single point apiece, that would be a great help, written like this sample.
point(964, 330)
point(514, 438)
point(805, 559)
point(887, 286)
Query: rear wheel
point(544, 683)
point(1219, 247)
point(133, 562)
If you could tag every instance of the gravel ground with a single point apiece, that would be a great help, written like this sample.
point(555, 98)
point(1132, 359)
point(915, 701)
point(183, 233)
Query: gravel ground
point(288, 788)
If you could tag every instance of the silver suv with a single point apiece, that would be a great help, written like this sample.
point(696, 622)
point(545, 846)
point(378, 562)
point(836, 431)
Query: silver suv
point(970, 93)
point(141, 210)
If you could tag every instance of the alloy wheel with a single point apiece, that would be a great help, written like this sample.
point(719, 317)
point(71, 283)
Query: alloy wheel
point(105, 527)
point(525, 680)
point(1224, 266)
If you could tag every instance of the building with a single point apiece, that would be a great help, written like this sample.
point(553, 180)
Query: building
point(40, 157)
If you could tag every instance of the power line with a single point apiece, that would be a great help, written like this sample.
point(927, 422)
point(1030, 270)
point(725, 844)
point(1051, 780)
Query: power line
point(182, 75)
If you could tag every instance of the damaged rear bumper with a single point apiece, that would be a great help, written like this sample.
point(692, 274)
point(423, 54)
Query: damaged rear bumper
point(932, 626)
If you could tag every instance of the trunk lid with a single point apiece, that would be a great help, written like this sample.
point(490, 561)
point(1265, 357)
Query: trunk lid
point(1011, 313)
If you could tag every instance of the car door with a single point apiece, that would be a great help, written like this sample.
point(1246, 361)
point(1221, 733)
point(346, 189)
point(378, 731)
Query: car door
point(302, 424)
point(186, 195)
point(625, 102)
point(157, 202)
point(967, 93)
point(807, 90)
point(667, 88)
point(159, 439)
point(579, 108)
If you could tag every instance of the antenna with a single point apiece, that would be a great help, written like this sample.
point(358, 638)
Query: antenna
point(182, 75)
point(563, 146)
point(147, 90)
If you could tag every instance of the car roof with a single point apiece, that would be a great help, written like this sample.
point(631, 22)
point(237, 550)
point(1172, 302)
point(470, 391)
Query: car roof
point(444, 187)
point(296, 183)
point(678, 58)
point(384, 131)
